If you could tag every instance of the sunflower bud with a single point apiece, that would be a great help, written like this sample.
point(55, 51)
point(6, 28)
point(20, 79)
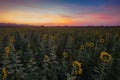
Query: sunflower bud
point(7, 51)
point(4, 71)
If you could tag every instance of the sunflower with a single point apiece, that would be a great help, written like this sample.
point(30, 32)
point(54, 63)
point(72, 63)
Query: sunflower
point(4, 73)
point(102, 40)
point(77, 67)
point(91, 44)
point(46, 58)
point(65, 54)
point(7, 51)
point(106, 57)
point(87, 44)
point(77, 64)
point(80, 71)
point(75, 72)
point(82, 47)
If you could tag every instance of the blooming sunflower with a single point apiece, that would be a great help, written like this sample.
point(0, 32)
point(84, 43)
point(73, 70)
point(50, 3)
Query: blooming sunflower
point(65, 54)
point(77, 64)
point(77, 67)
point(82, 47)
point(7, 51)
point(106, 57)
point(46, 58)
point(87, 44)
point(91, 44)
point(102, 40)
point(80, 71)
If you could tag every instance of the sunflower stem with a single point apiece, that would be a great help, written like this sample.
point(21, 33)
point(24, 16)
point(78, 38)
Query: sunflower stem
point(102, 72)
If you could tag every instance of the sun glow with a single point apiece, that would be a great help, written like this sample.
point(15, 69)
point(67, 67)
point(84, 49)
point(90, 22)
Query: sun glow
point(26, 17)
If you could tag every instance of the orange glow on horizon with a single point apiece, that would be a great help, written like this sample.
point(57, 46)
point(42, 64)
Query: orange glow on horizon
point(59, 12)
point(33, 18)
point(42, 18)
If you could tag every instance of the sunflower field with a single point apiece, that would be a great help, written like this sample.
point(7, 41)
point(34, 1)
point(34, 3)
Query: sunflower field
point(59, 53)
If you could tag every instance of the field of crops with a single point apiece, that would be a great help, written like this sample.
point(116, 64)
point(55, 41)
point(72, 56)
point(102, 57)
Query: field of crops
point(59, 53)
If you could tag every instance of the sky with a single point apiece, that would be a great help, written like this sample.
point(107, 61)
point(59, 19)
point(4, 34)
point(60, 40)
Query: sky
point(60, 12)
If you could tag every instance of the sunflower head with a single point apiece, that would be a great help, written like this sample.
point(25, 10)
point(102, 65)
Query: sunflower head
point(65, 54)
point(87, 44)
point(91, 44)
point(82, 47)
point(102, 40)
point(106, 57)
point(80, 71)
point(46, 58)
point(77, 67)
point(76, 64)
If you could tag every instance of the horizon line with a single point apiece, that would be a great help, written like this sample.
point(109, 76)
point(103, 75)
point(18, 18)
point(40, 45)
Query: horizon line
point(42, 25)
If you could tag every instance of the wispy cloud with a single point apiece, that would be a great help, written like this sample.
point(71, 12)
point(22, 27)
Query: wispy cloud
point(84, 12)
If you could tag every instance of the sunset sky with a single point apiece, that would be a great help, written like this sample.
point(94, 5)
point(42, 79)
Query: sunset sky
point(60, 12)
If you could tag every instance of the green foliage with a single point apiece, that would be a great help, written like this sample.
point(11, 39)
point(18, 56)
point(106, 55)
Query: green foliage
point(26, 59)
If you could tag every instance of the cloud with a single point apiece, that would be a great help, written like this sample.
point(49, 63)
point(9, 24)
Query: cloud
point(63, 13)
